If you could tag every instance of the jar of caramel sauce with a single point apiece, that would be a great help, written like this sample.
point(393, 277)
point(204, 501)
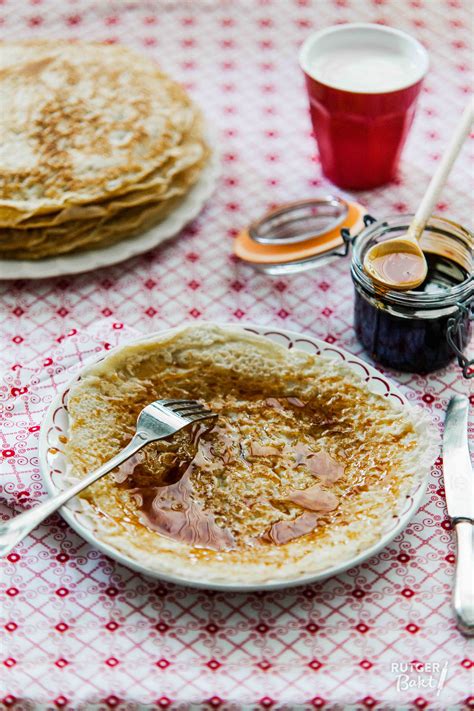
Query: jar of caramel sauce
point(424, 329)
point(417, 331)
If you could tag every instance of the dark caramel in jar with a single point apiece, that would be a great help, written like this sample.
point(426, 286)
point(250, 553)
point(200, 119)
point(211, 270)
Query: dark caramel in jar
point(408, 330)
point(413, 345)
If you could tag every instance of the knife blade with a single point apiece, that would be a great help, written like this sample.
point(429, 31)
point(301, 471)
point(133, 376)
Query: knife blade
point(457, 468)
point(459, 487)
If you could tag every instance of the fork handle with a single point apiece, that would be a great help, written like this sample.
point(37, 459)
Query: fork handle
point(14, 530)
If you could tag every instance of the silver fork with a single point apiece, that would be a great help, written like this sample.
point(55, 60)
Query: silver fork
point(159, 420)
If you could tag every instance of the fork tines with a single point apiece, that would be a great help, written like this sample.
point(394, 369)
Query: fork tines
point(190, 409)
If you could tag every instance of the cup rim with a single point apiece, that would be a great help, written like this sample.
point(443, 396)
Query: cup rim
point(348, 26)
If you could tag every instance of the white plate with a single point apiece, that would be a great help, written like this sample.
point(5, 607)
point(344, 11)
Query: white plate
point(189, 208)
point(53, 463)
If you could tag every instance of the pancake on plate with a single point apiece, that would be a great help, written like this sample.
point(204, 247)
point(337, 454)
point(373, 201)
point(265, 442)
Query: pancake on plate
point(302, 469)
point(97, 145)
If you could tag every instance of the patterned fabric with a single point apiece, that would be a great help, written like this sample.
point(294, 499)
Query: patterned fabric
point(78, 630)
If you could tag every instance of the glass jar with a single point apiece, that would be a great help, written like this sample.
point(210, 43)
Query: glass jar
point(421, 330)
point(417, 331)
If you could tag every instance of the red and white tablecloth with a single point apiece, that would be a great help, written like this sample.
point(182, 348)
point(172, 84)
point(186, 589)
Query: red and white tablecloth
point(82, 632)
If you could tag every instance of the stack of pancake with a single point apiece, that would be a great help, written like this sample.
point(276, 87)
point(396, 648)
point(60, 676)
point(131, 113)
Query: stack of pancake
point(97, 144)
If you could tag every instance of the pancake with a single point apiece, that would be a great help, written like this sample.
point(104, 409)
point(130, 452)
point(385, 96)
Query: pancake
point(302, 469)
point(191, 152)
point(83, 121)
point(88, 131)
point(107, 225)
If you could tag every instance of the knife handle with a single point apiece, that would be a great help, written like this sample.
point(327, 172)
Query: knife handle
point(463, 598)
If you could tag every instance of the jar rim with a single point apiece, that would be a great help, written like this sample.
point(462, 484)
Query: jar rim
point(411, 298)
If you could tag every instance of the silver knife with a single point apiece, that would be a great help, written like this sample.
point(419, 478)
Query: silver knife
point(459, 486)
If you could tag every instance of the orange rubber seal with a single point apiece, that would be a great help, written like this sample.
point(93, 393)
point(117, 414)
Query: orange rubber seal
point(251, 251)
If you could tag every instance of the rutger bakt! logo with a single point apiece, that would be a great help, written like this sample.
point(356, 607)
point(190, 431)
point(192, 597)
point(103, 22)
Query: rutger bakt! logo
point(416, 675)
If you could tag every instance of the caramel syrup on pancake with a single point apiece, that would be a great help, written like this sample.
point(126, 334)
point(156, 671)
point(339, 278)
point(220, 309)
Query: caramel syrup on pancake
point(171, 508)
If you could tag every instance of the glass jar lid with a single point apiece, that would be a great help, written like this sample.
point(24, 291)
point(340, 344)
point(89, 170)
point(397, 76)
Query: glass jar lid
point(293, 236)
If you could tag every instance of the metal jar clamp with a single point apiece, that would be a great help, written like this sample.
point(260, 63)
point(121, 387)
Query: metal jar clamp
point(300, 235)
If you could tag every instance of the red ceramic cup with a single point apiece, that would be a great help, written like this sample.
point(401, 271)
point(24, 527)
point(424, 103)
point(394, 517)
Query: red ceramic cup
point(363, 81)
